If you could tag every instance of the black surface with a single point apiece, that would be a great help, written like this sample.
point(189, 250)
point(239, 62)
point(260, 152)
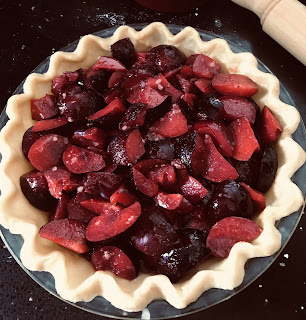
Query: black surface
point(32, 30)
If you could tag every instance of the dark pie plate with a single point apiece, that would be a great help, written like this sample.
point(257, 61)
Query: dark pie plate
point(160, 309)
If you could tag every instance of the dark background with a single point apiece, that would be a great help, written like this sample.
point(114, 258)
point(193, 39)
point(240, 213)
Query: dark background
point(30, 31)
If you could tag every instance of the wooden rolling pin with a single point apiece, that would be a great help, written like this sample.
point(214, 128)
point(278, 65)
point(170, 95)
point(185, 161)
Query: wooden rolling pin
point(284, 21)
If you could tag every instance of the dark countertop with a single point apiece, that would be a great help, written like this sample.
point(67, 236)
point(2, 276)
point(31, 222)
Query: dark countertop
point(32, 30)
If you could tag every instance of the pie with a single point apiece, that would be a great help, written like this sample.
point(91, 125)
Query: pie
point(75, 278)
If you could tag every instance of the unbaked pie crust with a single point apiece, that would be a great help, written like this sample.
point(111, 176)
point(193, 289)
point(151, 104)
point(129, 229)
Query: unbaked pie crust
point(75, 279)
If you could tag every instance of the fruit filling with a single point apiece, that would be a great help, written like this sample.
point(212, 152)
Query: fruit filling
point(150, 161)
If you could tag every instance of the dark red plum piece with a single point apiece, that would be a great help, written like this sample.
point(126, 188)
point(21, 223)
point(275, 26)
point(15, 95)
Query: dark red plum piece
point(59, 179)
point(116, 79)
point(247, 170)
point(204, 85)
point(61, 211)
point(50, 124)
point(164, 175)
point(107, 226)
point(113, 93)
point(124, 51)
point(154, 114)
point(46, 152)
point(145, 165)
point(91, 137)
point(100, 206)
point(267, 169)
point(200, 220)
point(29, 137)
point(234, 84)
point(104, 183)
point(169, 201)
point(110, 115)
point(189, 98)
point(244, 139)
point(237, 107)
point(145, 94)
point(123, 196)
point(271, 128)
point(80, 160)
point(134, 117)
point(219, 133)
point(259, 199)
point(161, 84)
point(230, 198)
point(66, 232)
point(163, 149)
point(77, 107)
point(65, 79)
point(126, 147)
point(173, 124)
point(227, 232)
point(146, 186)
point(44, 107)
point(96, 80)
point(153, 235)
point(76, 211)
point(108, 63)
point(35, 188)
point(177, 262)
point(187, 72)
point(189, 149)
point(113, 259)
point(165, 58)
point(190, 187)
point(205, 67)
point(207, 107)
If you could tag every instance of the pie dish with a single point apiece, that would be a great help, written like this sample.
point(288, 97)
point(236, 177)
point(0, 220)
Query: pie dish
point(75, 279)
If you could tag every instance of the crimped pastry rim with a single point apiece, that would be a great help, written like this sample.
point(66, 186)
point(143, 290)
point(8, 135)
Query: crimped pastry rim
point(41, 255)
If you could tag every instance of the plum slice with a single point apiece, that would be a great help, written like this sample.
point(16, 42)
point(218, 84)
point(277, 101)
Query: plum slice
point(230, 198)
point(104, 183)
point(204, 85)
point(100, 206)
point(123, 195)
point(145, 185)
point(173, 124)
point(61, 211)
point(163, 149)
point(234, 84)
point(91, 137)
point(218, 132)
point(68, 233)
point(267, 169)
point(126, 147)
point(110, 115)
point(237, 107)
point(50, 124)
point(177, 262)
point(164, 175)
point(190, 187)
point(78, 212)
point(124, 51)
point(259, 199)
point(35, 188)
point(59, 179)
point(81, 160)
point(46, 152)
point(227, 232)
point(29, 137)
point(215, 167)
point(205, 67)
point(108, 63)
point(168, 201)
point(271, 128)
point(207, 107)
point(165, 58)
point(109, 225)
point(244, 139)
point(44, 107)
point(153, 235)
point(113, 259)
point(63, 80)
point(134, 117)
